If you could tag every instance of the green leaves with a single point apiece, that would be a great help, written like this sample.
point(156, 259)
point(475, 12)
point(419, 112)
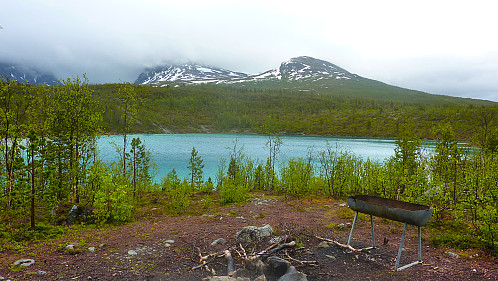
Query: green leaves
point(195, 166)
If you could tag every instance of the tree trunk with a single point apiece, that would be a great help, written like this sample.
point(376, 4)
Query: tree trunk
point(32, 189)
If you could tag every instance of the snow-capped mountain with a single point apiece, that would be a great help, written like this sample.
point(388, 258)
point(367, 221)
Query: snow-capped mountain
point(301, 69)
point(186, 74)
point(24, 74)
point(306, 68)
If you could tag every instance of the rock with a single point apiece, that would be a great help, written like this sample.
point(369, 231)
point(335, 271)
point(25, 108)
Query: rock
point(340, 226)
point(453, 255)
point(169, 241)
point(277, 266)
point(257, 266)
point(91, 249)
point(102, 245)
point(331, 257)
point(275, 240)
point(323, 244)
point(41, 272)
point(70, 247)
point(24, 262)
point(219, 241)
point(79, 214)
point(261, 278)
point(293, 275)
point(132, 253)
point(68, 213)
point(227, 278)
point(242, 273)
point(249, 234)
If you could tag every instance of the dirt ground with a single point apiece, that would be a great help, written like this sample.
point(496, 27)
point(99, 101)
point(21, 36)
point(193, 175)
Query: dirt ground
point(169, 248)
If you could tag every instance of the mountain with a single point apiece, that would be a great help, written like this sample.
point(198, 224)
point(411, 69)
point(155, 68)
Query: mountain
point(305, 69)
point(24, 74)
point(186, 74)
point(296, 69)
point(300, 74)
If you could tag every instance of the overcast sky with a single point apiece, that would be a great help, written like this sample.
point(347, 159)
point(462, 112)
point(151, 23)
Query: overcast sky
point(441, 47)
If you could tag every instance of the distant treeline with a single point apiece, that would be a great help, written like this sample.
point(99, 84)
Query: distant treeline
point(224, 109)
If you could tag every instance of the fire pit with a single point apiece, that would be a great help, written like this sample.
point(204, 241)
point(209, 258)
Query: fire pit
point(407, 213)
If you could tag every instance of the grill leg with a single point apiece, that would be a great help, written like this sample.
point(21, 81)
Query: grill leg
point(400, 248)
point(373, 233)
point(419, 244)
point(352, 228)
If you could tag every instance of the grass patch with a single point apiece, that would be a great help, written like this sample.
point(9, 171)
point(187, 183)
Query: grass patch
point(452, 233)
point(25, 233)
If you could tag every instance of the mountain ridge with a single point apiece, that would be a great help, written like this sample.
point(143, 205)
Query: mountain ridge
point(294, 69)
point(23, 74)
point(302, 73)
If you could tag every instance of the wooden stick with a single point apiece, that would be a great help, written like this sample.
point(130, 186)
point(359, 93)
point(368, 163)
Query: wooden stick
point(340, 244)
point(272, 249)
point(301, 262)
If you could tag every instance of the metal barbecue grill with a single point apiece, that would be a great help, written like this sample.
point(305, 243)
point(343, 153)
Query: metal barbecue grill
point(407, 213)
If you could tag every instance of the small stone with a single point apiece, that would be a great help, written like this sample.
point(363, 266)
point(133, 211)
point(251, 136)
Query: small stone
point(132, 253)
point(91, 249)
point(331, 257)
point(341, 226)
point(41, 272)
point(275, 240)
point(323, 244)
point(169, 241)
point(453, 255)
point(261, 278)
point(24, 262)
point(219, 241)
point(102, 245)
point(70, 247)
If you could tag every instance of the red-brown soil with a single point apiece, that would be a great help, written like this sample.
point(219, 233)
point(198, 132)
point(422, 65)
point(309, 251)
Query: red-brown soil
point(301, 220)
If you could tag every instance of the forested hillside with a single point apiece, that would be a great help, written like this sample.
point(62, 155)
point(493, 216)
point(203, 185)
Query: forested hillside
point(224, 109)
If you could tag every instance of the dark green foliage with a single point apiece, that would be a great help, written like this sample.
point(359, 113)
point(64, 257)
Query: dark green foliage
point(224, 109)
point(179, 192)
point(195, 166)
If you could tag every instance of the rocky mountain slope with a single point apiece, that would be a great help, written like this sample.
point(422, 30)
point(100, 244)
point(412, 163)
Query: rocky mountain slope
point(299, 73)
point(189, 73)
point(24, 74)
point(301, 69)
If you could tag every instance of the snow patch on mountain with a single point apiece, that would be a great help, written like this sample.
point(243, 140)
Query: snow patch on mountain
point(186, 73)
point(24, 74)
point(296, 69)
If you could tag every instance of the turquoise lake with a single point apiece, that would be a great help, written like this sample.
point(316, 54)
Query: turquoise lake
point(170, 151)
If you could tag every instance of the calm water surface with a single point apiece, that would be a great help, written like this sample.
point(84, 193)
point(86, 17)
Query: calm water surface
point(173, 150)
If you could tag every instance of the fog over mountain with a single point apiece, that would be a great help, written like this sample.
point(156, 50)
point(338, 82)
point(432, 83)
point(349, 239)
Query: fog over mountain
point(419, 46)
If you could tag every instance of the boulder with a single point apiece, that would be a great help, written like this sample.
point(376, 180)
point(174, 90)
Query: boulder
point(293, 275)
point(277, 266)
point(68, 213)
point(250, 234)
